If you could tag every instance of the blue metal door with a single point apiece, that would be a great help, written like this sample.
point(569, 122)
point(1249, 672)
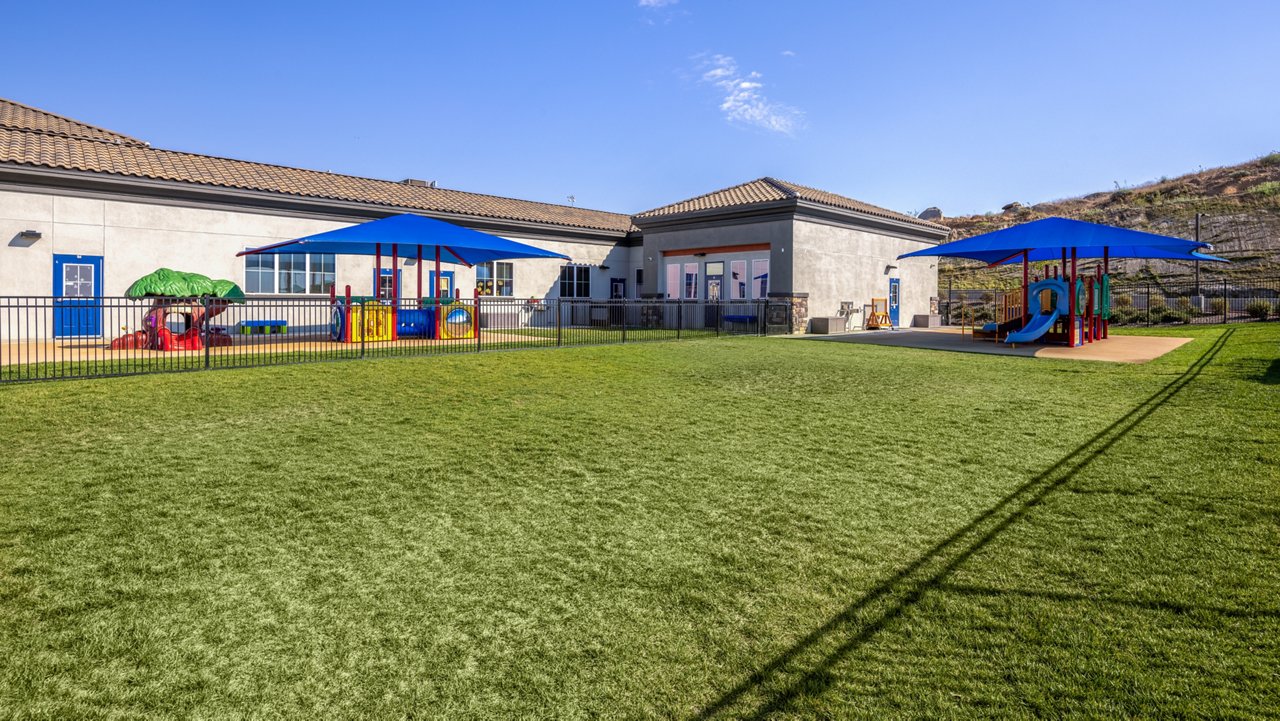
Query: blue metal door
point(77, 287)
point(445, 285)
point(893, 302)
point(386, 285)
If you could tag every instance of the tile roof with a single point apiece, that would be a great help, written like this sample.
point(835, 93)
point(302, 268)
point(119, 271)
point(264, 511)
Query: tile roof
point(33, 137)
point(16, 116)
point(767, 190)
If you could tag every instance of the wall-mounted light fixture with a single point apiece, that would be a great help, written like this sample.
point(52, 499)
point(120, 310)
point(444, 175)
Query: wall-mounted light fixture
point(31, 235)
point(604, 267)
point(889, 269)
point(699, 255)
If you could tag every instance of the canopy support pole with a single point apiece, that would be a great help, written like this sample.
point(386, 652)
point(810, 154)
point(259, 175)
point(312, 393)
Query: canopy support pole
point(395, 291)
point(1106, 271)
point(1071, 302)
point(1026, 318)
point(435, 293)
point(377, 270)
point(419, 274)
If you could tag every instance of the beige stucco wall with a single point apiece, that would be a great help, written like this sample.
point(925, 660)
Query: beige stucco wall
point(777, 233)
point(838, 263)
point(135, 238)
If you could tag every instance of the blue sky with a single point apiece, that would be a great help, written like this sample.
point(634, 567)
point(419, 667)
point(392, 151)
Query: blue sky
point(630, 104)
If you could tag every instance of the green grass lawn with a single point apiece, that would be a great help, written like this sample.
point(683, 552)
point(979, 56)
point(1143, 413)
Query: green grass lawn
point(742, 527)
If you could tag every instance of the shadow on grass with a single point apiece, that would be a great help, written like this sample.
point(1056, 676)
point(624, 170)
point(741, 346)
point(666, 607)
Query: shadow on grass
point(806, 669)
point(1272, 375)
point(1156, 605)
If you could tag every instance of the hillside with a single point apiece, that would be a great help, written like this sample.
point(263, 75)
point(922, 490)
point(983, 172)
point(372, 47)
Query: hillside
point(1241, 204)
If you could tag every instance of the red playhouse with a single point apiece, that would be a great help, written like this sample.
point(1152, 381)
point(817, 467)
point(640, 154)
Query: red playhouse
point(188, 299)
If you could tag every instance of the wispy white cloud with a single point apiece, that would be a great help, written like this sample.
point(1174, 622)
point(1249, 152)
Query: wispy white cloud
point(744, 99)
point(656, 3)
point(788, 53)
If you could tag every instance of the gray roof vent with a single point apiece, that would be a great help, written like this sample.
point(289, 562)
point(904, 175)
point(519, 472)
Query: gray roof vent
point(415, 182)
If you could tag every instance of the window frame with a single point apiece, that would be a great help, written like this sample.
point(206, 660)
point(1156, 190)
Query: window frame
point(496, 282)
point(578, 282)
point(318, 272)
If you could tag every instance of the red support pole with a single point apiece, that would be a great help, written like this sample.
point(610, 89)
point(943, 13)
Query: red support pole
point(1071, 302)
point(419, 275)
point(475, 318)
point(1106, 270)
point(395, 291)
point(435, 294)
point(377, 272)
point(1025, 317)
point(346, 328)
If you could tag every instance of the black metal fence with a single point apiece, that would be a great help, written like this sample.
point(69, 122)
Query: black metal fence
point(1148, 304)
point(49, 338)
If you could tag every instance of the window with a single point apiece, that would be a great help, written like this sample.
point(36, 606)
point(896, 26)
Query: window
point(321, 276)
point(495, 278)
point(737, 279)
point(290, 273)
point(673, 280)
point(639, 280)
point(260, 274)
point(77, 280)
point(760, 278)
point(690, 281)
point(387, 284)
point(575, 281)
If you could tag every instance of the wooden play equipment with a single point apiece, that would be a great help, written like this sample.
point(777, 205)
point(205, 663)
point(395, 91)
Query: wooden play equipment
point(877, 315)
point(1009, 317)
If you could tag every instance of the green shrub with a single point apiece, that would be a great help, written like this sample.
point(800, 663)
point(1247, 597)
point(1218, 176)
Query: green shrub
point(1124, 300)
point(1218, 306)
point(1259, 309)
point(1156, 303)
point(1267, 189)
point(1167, 316)
point(1272, 159)
point(1123, 316)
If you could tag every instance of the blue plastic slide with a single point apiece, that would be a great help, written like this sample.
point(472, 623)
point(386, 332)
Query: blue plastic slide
point(1041, 322)
point(1039, 325)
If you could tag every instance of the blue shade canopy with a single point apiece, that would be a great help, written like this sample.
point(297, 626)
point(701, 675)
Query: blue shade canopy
point(1046, 239)
point(409, 233)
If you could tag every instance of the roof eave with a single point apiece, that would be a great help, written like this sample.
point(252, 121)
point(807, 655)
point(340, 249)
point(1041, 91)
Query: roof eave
point(151, 188)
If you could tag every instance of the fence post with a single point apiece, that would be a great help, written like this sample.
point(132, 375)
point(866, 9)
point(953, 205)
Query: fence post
point(477, 320)
point(559, 321)
point(1148, 305)
point(625, 313)
point(950, 301)
point(679, 316)
point(206, 332)
point(1226, 303)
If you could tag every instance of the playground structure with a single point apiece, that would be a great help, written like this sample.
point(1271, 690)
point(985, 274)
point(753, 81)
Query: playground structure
point(191, 299)
point(357, 320)
point(1059, 304)
point(1050, 310)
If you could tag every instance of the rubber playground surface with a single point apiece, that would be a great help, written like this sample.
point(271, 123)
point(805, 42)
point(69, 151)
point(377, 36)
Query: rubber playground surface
point(1115, 349)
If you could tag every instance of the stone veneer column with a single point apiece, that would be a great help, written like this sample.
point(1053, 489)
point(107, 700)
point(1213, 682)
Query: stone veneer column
point(799, 309)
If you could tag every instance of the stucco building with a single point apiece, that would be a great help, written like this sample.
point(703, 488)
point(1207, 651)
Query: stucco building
point(85, 211)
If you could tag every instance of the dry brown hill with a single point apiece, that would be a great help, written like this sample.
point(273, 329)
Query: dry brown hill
point(1240, 203)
